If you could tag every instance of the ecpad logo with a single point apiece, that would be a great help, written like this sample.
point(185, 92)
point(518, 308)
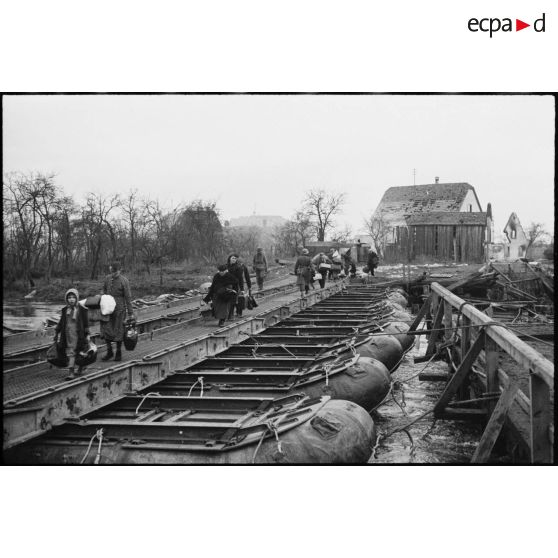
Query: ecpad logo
point(493, 25)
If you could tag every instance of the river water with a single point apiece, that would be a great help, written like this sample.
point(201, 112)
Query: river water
point(28, 315)
point(427, 440)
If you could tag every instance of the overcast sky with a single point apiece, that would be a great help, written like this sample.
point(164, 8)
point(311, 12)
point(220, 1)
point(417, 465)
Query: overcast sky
point(261, 153)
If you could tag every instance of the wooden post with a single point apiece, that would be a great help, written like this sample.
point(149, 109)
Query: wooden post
point(494, 426)
point(422, 312)
point(448, 316)
point(463, 392)
point(491, 352)
point(465, 334)
point(435, 326)
point(540, 420)
point(460, 374)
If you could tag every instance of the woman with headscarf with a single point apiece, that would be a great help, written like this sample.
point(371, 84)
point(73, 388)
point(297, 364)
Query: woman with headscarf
point(73, 329)
point(241, 304)
point(112, 326)
point(303, 271)
point(237, 269)
point(222, 293)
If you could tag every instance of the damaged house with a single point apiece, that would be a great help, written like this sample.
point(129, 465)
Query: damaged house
point(515, 243)
point(434, 222)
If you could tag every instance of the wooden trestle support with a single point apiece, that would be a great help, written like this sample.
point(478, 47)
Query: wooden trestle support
point(482, 339)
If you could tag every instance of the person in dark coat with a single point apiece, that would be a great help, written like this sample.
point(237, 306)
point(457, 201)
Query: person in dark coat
point(259, 264)
point(373, 261)
point(73, 329)
point(303, 271)
point(241, 303)
point(323, 264)
point(112, 326)
point(349, 265)
point(238, 270)
point(222, 293)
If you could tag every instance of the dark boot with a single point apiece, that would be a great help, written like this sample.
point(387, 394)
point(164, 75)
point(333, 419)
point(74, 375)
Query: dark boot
point(109, 354)
point(221, 322)
point(71, 374)
point(118, 355)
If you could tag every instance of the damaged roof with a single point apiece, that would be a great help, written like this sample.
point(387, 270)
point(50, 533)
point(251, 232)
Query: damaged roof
point(409, 200)
point(447, 218)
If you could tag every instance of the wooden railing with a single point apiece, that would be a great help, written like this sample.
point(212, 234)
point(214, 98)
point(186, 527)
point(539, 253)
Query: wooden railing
point(480, 333)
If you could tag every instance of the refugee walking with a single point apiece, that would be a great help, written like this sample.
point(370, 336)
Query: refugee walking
point(303, 271)
point(323, 264)
point(73, 329)
point(372, 262)
point(112, 326)
point(222, 293)
point(259, 265)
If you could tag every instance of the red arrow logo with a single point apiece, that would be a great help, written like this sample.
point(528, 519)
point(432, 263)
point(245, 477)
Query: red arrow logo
point(519, 25)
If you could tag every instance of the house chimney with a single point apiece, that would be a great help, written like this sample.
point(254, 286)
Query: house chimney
point(436, 179)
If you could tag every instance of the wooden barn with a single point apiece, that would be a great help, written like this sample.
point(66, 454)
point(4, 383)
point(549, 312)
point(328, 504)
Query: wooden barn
point(434, 223)
point(442, 237)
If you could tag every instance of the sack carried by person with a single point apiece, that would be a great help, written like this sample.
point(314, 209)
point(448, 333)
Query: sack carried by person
point(92, 302)
point(108, 304)
point(323, 265)
point(87, 357)
point(57, 356)
point(318, 276)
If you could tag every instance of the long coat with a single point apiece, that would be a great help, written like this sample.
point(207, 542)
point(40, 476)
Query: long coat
point(259, 261)
point(118, 287)
point(373, 261)
point(220, 294)
point(242, 275)
point(303, 270)
point(82, 323)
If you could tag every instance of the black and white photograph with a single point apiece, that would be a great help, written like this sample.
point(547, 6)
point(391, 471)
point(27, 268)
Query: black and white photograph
point(278, 279)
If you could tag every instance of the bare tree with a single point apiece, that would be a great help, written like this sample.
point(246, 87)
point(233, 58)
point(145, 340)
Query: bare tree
point(130, 212)
point(343, 235)
point(534, 232)
point(242, 240)
point(163, 225)
point(294, 233)
point(22, 197)
point(378, 228)
point(99, 230)
point(321, 207)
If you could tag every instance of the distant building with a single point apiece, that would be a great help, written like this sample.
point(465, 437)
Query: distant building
point(262, 221)
point(515, 239)
point(434, 222)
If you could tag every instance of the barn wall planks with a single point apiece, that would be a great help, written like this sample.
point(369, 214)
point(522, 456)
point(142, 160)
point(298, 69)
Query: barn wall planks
point(461, 243)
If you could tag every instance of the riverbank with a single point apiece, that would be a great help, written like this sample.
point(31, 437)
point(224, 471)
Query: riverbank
point(176, 280)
